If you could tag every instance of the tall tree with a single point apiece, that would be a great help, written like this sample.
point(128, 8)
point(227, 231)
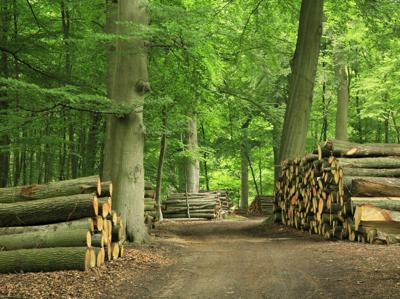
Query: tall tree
point(192, 163)
point(342, 96)
point(304, 67)
point(128, 82)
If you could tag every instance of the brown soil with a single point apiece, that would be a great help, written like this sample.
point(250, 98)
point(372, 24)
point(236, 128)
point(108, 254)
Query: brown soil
point(241, 259)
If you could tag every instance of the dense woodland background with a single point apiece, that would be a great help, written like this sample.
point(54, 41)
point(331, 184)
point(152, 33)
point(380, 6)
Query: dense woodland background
point(221, 65)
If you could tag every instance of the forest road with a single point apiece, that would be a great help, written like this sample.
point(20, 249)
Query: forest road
point(249, 259)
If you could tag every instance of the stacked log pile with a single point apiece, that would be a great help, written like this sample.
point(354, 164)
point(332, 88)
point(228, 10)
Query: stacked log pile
point(67, 225)
point(192, 205)
point(344, 190)
point(150, 214)
point(262, 205)
point(223, 196)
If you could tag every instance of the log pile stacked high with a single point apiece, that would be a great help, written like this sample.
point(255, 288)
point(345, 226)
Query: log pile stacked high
point(192, 205)
point(66, 225)
point(344, 190)
point(262, 205)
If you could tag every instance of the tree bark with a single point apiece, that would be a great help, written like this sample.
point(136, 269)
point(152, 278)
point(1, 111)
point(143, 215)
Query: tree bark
point(244, 177)
point(85, 223)
point(192, 162)
point(372, 186)
point(127, 84)
point(47, 239)
point(4, 71)
point(47, 259)
point(304, 67)
point(51, 210)
point(163, 148)
point(53, 189)
point(342, 98)
point(341, 148)
point(388, 203)
point(205, 156)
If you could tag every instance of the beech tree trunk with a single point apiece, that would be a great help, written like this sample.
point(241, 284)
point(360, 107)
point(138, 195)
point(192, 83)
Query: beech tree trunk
point(4, 71)
point(304, 67)
point(342, 98)
point(127, 84)
point(192, 162)
point(244, 176)
point(163, 148)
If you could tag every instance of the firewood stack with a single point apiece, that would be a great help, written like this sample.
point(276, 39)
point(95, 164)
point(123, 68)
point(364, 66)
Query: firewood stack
point(193, 205)
point(66, 225)
point(262, 205)
point(344, 190)
point(150, 214)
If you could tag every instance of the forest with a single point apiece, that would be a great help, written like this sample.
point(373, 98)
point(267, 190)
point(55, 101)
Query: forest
point(219, 82)
point(117, 114)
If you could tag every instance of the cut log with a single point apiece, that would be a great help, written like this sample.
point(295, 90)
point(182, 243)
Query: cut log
point(340, 148)
point(377, 163)
point(46, 211)
point(54, 189)
point(368, 213)
point(388, 203)
point(47, 259)
point(47, 239)
point(115, 250)
point(374, 172)
point(373, 186)
point(86, 223)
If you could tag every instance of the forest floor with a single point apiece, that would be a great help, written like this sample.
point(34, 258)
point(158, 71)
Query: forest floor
point(227, 259)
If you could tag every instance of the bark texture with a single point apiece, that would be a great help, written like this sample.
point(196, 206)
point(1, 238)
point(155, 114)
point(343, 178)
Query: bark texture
point(192, 163)
point(304, 67)
point(47, 259)
point(127, 84)
point(342, 98)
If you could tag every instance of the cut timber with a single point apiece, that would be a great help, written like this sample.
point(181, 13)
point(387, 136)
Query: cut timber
point(368, 213)
point(388, 203)
point(100, 256)
point(86, 223)
point(372, 172)
point(340, 148)
point(47, 239)
point(46, 211)
point(373, 186)
point(47, 259)
point(54, 189)
point(118, 232)
point(378, 162)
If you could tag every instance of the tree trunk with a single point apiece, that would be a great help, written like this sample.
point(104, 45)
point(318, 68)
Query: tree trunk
point(304, 67)
point(50, 210)
point(47, 259)
point(128, 82)
point(47, 239)
point(54, 189)
point(205, 156)
point(4, 138)
point(192, 162)
point(163, 148)
point(244, 177)
point(342, 98)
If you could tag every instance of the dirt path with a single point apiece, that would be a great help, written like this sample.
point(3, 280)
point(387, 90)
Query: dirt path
point(241, 259)
point(247, 259)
